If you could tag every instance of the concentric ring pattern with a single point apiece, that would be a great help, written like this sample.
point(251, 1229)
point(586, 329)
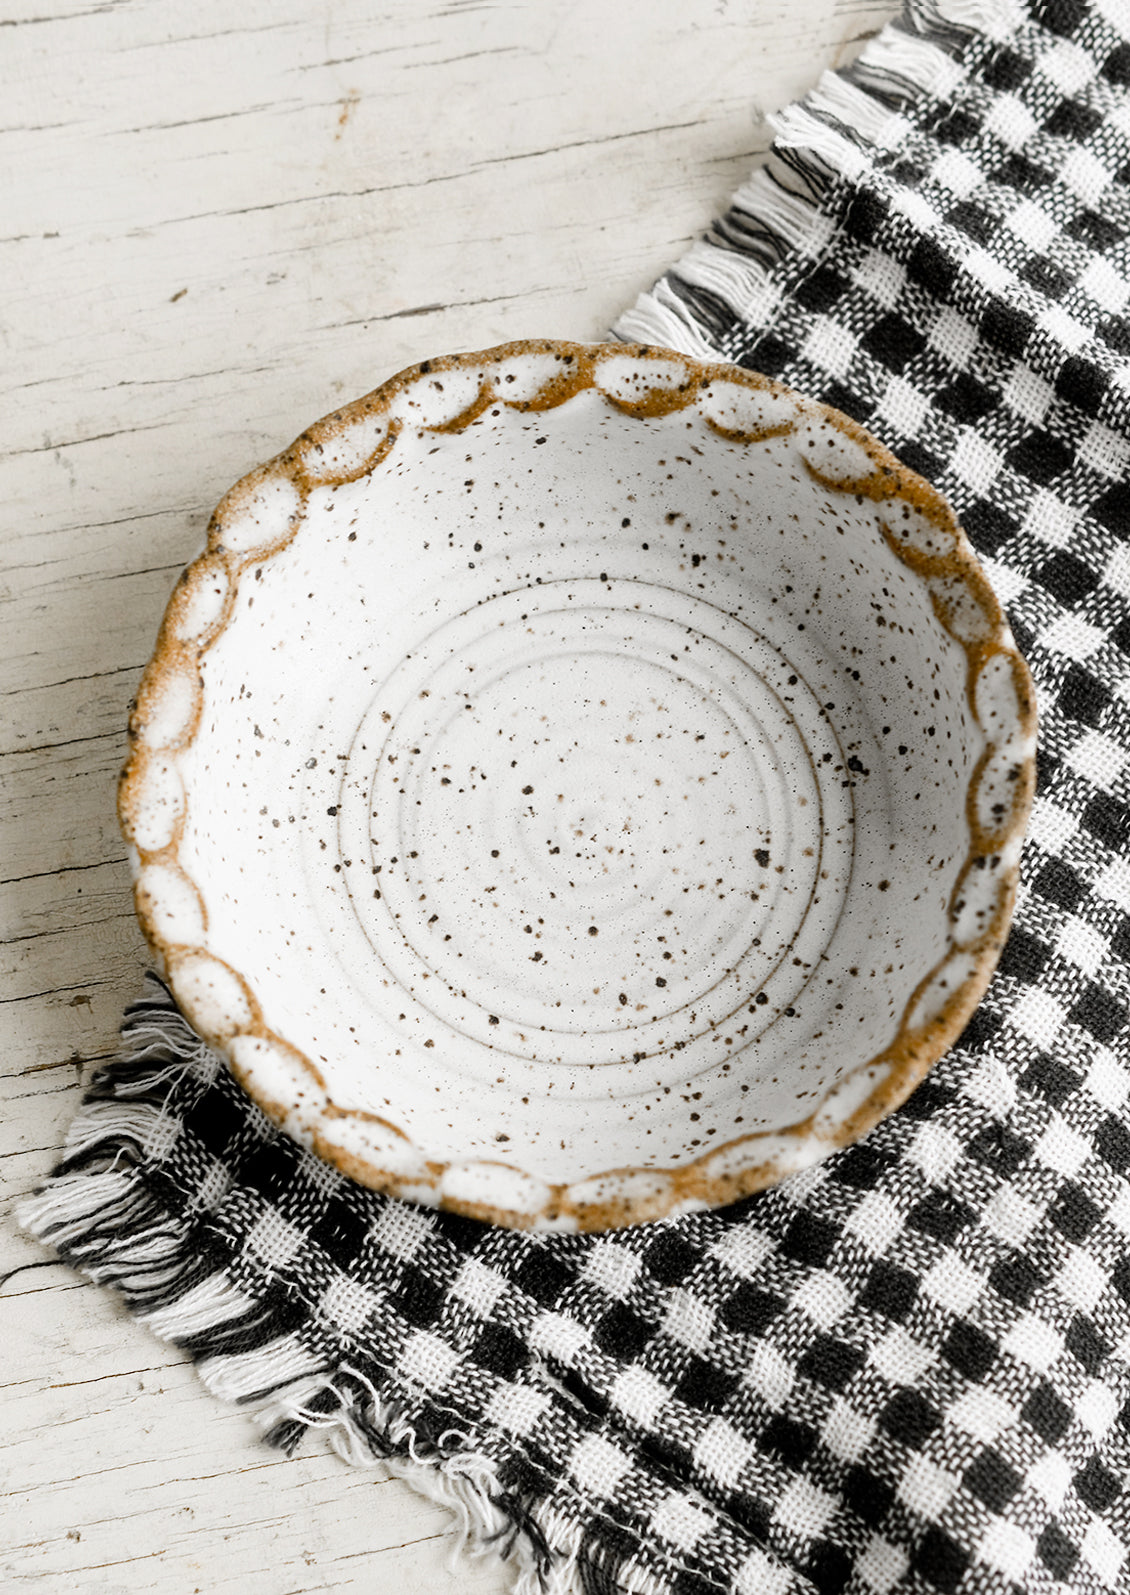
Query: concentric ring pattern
point(577, 784)
point(680, 804)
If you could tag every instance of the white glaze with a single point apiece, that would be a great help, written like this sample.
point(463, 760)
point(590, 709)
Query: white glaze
point(581, 788)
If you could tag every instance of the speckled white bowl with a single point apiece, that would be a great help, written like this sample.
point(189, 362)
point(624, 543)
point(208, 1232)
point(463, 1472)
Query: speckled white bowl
point(578, 784)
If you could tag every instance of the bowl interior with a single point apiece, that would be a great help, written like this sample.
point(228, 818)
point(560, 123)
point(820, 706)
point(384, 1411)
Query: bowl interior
point(589, 776)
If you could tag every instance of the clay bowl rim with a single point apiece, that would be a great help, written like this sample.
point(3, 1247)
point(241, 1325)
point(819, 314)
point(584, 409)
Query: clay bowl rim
point(157, 736)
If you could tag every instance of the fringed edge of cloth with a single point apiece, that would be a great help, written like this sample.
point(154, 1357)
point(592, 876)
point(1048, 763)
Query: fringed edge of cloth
point(826, 141)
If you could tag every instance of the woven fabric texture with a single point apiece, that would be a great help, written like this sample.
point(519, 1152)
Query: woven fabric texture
point(903, 1370)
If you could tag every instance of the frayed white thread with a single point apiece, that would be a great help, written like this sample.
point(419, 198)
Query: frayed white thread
point(207, 1305)
point(720, 271)
point(141, 1123)
point(107, 1224)
point(903, 66)
point(669, 322)
point(567, 1536)
point(770, 219)
point(142, 1263)
point(994, 18)
point(785, 216)
point(151, 1030)
point(828, 136)
point(63, 1211)
point(451, 1474)
point(799, 128)
point(244, 1375)
point(857, 113)
point(105, 1220)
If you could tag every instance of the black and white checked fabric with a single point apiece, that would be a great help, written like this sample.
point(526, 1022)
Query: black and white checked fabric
point(905, 1370)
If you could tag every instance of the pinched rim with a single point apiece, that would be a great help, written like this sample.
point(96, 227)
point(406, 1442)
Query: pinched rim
point(264, 512)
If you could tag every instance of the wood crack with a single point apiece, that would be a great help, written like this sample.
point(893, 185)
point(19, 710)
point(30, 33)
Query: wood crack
point(64, 869)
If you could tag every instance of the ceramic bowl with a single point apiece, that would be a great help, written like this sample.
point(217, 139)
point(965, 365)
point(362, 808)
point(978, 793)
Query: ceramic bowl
point(579, 784)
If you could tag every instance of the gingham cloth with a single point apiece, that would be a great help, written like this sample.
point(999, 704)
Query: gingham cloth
point(903, 1370)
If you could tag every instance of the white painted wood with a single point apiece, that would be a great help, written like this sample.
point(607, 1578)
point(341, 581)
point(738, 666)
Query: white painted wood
point(218, 223)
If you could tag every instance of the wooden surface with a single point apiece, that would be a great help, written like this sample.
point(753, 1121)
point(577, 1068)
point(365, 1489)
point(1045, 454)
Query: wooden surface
point(219, 222)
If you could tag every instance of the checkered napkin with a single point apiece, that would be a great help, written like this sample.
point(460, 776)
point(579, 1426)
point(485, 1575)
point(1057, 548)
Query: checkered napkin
point(903, 1370)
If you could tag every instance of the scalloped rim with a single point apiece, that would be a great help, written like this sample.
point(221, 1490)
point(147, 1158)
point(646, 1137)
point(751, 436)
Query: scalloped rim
point(262, 514)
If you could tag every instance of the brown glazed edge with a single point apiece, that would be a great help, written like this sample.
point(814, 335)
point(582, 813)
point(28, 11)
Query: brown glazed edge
point(905, 1061)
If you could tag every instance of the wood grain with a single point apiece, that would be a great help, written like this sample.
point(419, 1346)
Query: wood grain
point(217, 226)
